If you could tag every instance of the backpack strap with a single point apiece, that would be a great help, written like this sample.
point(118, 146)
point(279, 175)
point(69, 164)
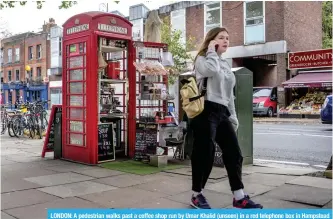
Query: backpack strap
point(203, 92)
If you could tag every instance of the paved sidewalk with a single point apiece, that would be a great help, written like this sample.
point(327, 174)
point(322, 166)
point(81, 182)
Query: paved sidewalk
point(30, 185)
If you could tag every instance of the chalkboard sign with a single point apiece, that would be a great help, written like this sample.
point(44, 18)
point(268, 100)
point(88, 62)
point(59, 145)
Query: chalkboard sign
point(106, 149)
point(151, 138)
point(218, 160)
point(140, 142)
point(52, 133)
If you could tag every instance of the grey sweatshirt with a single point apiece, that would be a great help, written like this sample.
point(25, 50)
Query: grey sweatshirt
point(220, 83)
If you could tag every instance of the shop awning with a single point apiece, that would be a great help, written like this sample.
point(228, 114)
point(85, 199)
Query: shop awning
point(310, 79)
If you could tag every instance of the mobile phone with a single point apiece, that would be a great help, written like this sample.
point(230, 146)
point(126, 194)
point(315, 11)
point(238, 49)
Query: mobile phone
point(216, 47)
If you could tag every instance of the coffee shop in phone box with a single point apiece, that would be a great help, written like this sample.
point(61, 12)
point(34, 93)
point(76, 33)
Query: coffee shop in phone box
point(115, 93)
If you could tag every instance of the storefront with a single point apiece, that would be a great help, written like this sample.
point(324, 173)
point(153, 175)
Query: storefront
point(37, 92)
point(13, 91)
point(311, 84)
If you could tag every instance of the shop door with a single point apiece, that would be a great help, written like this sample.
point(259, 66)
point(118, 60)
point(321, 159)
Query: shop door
point(75, 145)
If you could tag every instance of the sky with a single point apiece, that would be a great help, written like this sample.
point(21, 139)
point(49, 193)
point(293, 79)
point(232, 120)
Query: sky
point(28, 18)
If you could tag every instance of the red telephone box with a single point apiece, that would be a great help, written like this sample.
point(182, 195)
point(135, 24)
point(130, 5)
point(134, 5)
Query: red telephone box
point(95, 106)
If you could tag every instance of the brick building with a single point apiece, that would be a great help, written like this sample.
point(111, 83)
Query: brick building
point(261, 33)
point(27, 49)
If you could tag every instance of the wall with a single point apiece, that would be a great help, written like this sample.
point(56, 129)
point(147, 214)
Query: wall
point(195, 24)
point(303, 25)
point(44, 62)
point(233, 20)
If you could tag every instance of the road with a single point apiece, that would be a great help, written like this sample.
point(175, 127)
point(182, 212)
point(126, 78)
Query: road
point(300, 144)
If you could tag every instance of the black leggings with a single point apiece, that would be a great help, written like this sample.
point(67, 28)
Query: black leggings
point(211, 126)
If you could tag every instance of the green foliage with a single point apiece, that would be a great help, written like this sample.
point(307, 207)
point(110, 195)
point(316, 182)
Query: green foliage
point(39, 4)
point(176, 47)
point(327, 24)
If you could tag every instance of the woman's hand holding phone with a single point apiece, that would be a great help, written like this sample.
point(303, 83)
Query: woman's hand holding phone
point(213, 45)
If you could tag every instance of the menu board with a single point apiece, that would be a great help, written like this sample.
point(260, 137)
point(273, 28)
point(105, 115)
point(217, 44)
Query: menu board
point(140, 143)
point(106, 148)
point(151, 138)
point(146, 140)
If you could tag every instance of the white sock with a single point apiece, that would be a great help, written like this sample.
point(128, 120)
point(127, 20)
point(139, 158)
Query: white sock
point(239, 194)
point(196, 193)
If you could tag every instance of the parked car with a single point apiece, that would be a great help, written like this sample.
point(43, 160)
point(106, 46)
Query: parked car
point(326, 111)
point(264, 101)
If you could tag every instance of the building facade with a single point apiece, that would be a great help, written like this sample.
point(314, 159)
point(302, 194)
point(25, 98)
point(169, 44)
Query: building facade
point(261, 33)
point(27, 51)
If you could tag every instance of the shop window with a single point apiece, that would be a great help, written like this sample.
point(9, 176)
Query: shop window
point(178, 23)
point(10, 55)
point(17, 74)
point(212, 16)
point(17, 54)
point(30, 54)
point(39, 51)
point(254, 24)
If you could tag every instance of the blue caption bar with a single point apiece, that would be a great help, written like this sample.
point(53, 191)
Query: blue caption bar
point(189, 214)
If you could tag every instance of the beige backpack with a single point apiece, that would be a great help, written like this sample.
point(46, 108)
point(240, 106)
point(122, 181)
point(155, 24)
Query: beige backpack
point(192, 100)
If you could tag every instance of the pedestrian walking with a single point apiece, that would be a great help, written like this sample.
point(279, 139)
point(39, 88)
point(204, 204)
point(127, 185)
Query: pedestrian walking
point(217, 123)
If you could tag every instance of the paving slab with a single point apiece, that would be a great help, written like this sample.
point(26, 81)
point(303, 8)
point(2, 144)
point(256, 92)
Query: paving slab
point(122, 198)
point(6, 162)
point(217, 173)
point(76, 189)
point(161, 203)
point(68, 167)
point(216, 199)
point(58, 179)
point(24, 198)
point(6, 216)
point(39, 211)
point(122, 181)
point(302, 194)
point(267, 179)
point(167, 186)
point(16, 185)
point(25, 172)
point(318, 182)
point(279, 171)
point(23, 158)
point(98, 172)
point(252, 189)
point(269, 202)
point(328, 205)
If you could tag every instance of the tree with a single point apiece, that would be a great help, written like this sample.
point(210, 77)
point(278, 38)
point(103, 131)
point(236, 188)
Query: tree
point(3, 29)
point(327, 24)
point(63, 5)
point(177, 48)
point(39, 4)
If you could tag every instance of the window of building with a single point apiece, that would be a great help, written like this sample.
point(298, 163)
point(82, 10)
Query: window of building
point(17, 74)
point(17, 54)
point(39, 72)
point(9, 76)
point(213, 15)
point(39, 51)
point(31, 73)
point(30, 54)
point(254, 24)
point(178, 22)
point(10, 55)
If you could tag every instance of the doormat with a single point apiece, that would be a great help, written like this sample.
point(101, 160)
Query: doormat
point(137, 167)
